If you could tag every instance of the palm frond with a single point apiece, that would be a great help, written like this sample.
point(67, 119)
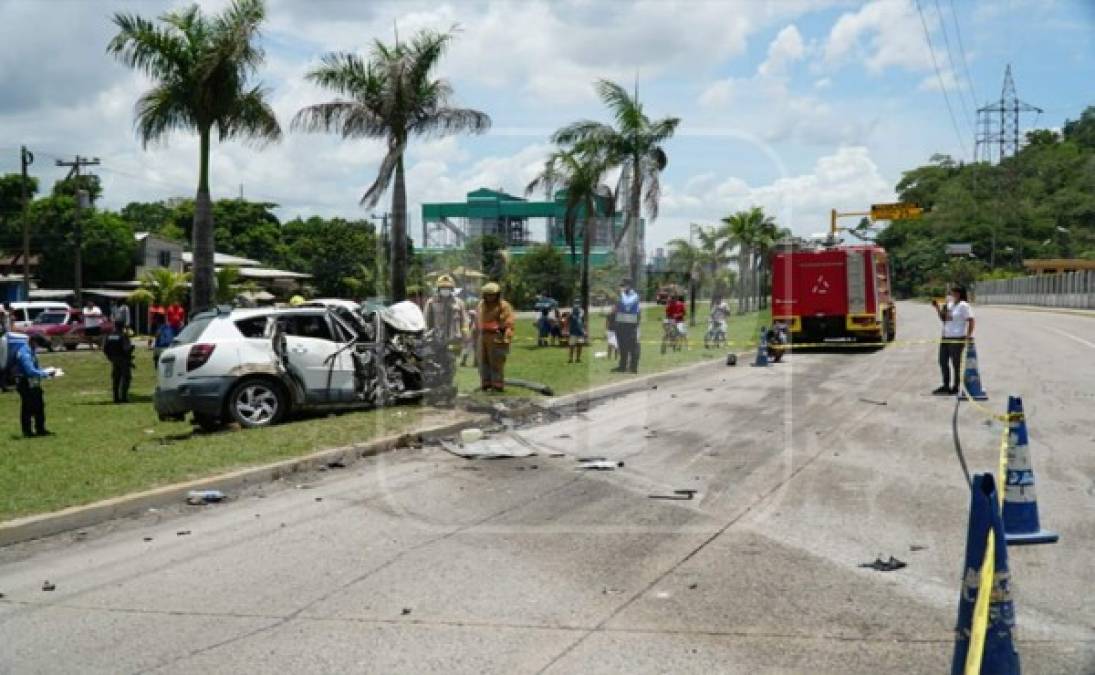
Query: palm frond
point(383, 176)
point(582, 131)
point(626, 110)
point(160, 110)
point(252, 118)
point(452, 121)
point(157, 52)
point(344, 73)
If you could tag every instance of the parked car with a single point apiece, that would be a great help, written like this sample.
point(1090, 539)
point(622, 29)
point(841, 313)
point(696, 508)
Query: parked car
point(23, 314)
point(256, 366)
point(55, 329)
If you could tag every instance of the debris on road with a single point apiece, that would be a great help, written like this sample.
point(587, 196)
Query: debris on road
point(49, 586)
point(471, 435)
point(872, 401)
point(319, 499)
point(693, 586)
point(182, 533)
point(600, 465)
point(917, 547)
point(198, 497)
point(731, 359)
point(497, 448)
point(148, 538)
point(885, 565)
point(679, 495)
point(406, 611)
point(337, 464)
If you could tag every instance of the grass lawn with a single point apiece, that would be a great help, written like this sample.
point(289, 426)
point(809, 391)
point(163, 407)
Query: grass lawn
point(549, 366)
point(103, 450)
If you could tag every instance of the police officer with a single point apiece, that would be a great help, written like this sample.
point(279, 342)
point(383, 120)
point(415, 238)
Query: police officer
point(496, 321)
point(23, 366)
point(627, 328)
point(119, 350)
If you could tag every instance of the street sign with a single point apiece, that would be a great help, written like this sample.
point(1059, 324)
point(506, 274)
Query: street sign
point(959, 249)
point(898, 211)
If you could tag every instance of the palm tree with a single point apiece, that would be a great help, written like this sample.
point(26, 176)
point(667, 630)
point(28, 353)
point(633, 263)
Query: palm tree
point(390, 96)
point(740, 230)
point(634, 145)
point(699, 262)
point(767, 235)
point(227, 284)
point(580, 175)
point(161, 287)
point(201, 66)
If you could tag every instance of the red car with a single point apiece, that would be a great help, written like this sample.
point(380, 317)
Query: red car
point(56, 329)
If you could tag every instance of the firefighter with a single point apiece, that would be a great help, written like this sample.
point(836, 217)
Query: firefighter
point(445, 313)
point(496, 320)
point(119, 350)
point(627, 328)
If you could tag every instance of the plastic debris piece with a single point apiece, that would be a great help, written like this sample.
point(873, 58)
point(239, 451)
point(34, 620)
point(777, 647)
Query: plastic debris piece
point(406, 611)
point(601, 465)
point(197, 497)
point(49, 586)
point(182, 533)
point(872, 401)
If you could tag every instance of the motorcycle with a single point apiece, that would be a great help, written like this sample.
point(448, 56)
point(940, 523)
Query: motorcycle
point(778, 340)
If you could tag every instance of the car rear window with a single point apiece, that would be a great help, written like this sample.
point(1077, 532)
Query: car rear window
point(192, 331)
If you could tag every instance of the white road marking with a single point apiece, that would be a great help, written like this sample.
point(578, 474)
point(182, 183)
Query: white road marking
point(1072, 337)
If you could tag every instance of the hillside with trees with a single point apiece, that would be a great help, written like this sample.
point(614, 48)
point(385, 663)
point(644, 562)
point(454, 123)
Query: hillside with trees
point(1039, 203)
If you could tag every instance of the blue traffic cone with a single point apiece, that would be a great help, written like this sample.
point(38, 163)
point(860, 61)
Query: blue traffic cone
point(762, 348)
point(1020, 501)
point(971, 378)
point(998, 656)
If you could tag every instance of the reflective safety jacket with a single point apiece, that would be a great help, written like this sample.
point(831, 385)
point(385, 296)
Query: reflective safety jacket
point(627, 308)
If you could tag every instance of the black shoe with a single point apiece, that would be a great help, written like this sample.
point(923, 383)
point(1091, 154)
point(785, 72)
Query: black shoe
point(44, 432)
point(942, 391)
point(28, 434)
point(617, 370)
point(954, 390)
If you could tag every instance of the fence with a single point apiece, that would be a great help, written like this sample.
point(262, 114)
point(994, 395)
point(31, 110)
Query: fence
point(1071, 289)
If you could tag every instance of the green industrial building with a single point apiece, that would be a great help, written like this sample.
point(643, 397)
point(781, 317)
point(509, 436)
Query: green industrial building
point(519, 223)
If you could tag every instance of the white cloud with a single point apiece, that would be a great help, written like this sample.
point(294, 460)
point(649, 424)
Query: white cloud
point(881, 34)
point(847, 179)
point(784, 50)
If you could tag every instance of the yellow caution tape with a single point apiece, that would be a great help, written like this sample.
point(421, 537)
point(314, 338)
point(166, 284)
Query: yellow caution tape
point(980, 624)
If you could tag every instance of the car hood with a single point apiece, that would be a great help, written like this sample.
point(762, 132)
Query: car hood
point(404, 316)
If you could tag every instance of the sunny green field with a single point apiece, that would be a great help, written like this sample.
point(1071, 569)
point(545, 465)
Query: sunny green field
point(101, 450)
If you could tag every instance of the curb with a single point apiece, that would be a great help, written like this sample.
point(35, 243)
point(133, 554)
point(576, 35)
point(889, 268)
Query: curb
point(43, 525)
point(1070, 311)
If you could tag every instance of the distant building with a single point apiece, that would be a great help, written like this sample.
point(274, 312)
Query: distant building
point(520, 224)
point(1058, 265)
point(155, 251)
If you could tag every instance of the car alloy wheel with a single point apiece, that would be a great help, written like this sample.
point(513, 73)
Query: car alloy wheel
point(256, 404)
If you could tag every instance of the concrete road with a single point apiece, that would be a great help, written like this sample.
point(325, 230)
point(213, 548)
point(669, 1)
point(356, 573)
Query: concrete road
point(418, 561)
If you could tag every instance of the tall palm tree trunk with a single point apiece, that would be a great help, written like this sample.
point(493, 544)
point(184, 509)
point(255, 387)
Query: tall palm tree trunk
point(634, 215)
point(743, 279)
point(587, 235)
point(399, 234)
point(201, 295)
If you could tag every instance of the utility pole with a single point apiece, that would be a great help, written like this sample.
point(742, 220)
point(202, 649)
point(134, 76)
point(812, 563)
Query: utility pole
point(25, 160)
point(83, 201)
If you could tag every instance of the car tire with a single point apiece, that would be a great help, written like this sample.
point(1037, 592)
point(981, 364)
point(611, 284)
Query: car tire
point(71, 346)
point(257, 402)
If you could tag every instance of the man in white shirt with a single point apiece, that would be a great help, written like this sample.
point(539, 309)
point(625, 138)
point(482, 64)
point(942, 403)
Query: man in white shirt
point(957, 319)
point(93, 322)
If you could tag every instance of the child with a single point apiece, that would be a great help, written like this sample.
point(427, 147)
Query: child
point(577, 334)
point(610, 335)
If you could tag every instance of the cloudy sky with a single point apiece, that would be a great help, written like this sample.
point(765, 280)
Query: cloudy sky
point(795, 105)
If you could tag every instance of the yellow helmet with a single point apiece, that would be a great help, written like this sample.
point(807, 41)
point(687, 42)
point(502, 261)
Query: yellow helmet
point(296, 301)
point(445, 281)
point(490, 288)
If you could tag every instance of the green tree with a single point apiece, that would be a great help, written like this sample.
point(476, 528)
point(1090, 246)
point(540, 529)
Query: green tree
point(580, 175)
point(11, 206)
point(107, 243)
point(392, 96)
point(200, 67)
point(339, 254)
point(635, 146)
point(540, 268)
point(227, 284)
point(88, 182)
point(748, 231)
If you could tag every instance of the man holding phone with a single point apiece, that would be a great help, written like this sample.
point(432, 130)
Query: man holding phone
point(957, 318)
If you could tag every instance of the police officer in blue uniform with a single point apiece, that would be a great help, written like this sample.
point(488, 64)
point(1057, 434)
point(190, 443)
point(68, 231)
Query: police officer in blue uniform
point(627, 328)
point(22, 365)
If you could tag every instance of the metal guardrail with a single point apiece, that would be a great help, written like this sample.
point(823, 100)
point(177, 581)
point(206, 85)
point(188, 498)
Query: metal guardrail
point(1071, 289)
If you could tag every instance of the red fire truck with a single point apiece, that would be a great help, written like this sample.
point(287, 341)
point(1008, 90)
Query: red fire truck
point(834, 292)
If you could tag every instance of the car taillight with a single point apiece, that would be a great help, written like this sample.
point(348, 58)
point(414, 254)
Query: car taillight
point(198, 355)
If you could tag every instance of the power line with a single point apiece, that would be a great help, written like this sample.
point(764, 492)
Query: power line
point(953, 69)
point(939, 76)
point(962, 51)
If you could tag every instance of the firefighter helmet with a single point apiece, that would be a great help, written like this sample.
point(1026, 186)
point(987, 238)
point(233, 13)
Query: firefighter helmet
point(445, 281)
point(491, 288)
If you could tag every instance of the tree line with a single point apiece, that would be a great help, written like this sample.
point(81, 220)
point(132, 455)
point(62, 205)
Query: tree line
point(1038, 203)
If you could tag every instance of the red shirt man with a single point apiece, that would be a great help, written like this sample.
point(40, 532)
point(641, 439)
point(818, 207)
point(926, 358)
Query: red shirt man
point(176, 315)
point(675, 310)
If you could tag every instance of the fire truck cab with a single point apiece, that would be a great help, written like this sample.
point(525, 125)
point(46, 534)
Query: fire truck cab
point(834, 292)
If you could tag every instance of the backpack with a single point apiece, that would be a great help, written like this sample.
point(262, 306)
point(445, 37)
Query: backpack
point(10, 343)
